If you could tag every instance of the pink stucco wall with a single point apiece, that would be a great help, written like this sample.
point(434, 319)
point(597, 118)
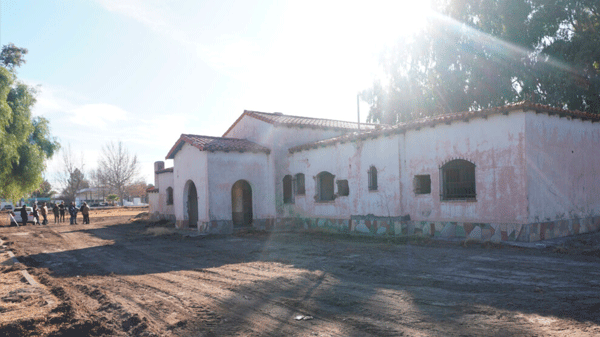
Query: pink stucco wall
point(225, 169)
point(563, 167)
point(349, 161)
point(190, 164)
point(496, 146)
point(278, 139)
point(164, 181)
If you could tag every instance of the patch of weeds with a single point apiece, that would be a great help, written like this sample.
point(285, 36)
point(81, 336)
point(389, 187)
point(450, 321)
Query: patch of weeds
point(143, 215)
point(159, 231)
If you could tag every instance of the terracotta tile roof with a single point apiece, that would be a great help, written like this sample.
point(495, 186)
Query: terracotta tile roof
point(152, 189)
point(309, 122)
point(212, 144)
point(447, 119)
point(170, 169)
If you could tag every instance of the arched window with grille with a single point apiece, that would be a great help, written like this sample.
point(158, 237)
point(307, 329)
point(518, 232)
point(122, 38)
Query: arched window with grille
point(372, 178)
point(458, 180)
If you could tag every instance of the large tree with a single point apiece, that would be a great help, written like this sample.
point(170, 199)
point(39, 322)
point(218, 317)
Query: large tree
point(26, 142)
point(477, 54)
point(117, 167)
point(75, 183)
point(567, 34)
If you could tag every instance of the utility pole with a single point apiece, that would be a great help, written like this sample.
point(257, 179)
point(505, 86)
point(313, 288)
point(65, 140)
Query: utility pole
point(358, 110)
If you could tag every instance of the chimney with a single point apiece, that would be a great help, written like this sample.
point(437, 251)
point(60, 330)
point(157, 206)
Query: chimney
point(158, 165)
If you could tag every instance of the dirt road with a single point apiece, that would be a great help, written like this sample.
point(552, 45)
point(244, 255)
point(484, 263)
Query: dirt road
point(118, 277)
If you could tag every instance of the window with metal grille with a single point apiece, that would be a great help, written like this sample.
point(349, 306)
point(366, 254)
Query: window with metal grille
point(300, 189)
point(458, 180)
point(372, 178)
point(422, 184)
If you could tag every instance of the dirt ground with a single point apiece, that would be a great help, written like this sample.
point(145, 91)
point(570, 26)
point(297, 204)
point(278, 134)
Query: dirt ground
point(124, 276)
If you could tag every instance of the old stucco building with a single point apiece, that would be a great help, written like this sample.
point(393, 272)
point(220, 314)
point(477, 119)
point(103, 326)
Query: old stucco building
point(521, 172)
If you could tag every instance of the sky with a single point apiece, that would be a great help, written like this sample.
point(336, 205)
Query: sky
point(145, 71)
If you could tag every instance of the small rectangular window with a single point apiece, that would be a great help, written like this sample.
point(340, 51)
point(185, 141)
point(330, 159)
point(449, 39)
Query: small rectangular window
point(422, 184)
point(343, 189)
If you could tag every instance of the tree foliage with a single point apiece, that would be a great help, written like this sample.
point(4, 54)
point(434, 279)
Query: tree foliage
point(26, 141)
point(117, 167)
point(568, 36)
point(44, 191)
point(112, 198)
point(76, 182)
point(12, 56)
point(137, 189)
point(477, 54)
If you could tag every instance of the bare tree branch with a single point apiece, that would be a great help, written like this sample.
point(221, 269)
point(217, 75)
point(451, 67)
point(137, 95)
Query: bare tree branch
point(71, 177)
point(117, 167)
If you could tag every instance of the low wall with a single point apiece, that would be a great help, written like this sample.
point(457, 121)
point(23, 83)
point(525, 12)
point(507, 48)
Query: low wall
point(397, 226)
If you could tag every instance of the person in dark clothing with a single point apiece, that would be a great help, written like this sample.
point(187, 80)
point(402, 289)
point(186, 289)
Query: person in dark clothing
point(24, 214)
point(36, 215)
point(73, 212)
point(85, 211)
point(56, 212)
point(61, 209)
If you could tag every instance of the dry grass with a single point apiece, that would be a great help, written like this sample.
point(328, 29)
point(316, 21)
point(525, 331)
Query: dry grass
point(158, 231)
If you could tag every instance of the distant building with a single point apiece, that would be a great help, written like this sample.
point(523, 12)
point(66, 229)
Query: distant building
point(520, 172)
point(91, 195)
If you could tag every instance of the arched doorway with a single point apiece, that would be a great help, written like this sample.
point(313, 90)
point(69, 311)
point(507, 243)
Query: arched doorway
point(241, 203)
point(191, 204)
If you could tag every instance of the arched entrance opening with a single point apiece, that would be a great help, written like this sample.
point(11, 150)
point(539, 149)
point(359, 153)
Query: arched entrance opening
point(241, 203)
point(190, 198)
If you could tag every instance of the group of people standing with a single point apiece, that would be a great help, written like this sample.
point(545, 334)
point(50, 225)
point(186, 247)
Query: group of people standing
point(59, 211)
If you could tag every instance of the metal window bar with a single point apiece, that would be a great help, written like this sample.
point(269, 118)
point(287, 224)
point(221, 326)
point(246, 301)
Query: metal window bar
point(459, 190)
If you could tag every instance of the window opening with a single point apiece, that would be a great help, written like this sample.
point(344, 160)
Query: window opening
point(325, 186)
point(169, 196)
point(287, 189)
point(300, 189)
point(372, 178)
point(422, 184)
point(343, 189)
point(458, 180)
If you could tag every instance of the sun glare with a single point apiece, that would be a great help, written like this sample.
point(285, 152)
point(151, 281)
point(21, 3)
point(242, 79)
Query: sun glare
point(394, 19)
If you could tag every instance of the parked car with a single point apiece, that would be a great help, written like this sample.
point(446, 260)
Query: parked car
point(7, 208)
point(17, 216)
